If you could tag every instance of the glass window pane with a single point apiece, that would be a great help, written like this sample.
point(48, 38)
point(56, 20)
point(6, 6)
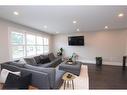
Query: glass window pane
point(17, 38)
point(46, 49)
point(39, 49)
point(17, 52)
point(30, 39)
point(46, 41)
point(31, 50)
point(39, 40)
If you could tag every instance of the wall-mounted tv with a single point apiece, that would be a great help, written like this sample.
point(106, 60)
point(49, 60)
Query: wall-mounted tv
point(76, 41)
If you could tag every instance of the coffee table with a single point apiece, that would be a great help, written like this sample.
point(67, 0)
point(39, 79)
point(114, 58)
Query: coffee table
point(72, 68)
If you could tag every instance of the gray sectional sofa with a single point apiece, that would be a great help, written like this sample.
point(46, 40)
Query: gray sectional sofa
point(44, 69)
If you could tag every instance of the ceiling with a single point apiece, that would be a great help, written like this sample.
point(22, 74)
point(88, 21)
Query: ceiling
point(59, 19)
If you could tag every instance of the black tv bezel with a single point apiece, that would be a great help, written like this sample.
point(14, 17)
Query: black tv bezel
point(76, 44)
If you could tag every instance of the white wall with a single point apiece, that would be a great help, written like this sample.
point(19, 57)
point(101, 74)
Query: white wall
point(126, 44)
point(111, 45)
point(4, 49)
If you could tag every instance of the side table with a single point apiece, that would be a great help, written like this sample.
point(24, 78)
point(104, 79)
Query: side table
point(68, 79)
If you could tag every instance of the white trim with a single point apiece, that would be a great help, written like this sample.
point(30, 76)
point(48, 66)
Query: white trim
point(104, 62)
point(113, 63)
point(9, 45)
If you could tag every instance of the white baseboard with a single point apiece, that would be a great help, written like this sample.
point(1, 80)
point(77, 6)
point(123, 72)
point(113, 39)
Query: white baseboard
point(105, 63)
point(87, 61)
point(113, 63)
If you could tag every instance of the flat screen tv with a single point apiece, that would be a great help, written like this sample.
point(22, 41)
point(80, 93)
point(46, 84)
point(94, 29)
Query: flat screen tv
point(76, 41)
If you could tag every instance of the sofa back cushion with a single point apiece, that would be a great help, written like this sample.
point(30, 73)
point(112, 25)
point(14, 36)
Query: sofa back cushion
point(30, 61)
point(19, 64)
point(50, 71)
point(42, 56)
point(44, 59)
point(51, 56)
point(37, 59)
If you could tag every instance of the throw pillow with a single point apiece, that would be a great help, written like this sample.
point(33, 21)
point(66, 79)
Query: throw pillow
point(51, 56)
point(45, 60)
point(22, 61)
point(37, 59)
point(30, 61)
point(4, 74)
point(43, 56)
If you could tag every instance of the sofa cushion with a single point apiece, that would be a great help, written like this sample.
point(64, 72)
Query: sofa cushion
point(49, 64)
point(37, 59)
point(30, 61)
point(44, 60)
point(43, 56)
point(50, 71)
point(19, 64)
point(22, 61)
point(51, 56)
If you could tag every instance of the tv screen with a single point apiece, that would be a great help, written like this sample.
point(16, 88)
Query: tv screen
point(76, 41)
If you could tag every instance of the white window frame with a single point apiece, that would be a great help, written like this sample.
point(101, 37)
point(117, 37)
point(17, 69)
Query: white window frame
point(26, 45)
point(39, 44)
point(10, 45)
point(45, 45)
point(10, 30)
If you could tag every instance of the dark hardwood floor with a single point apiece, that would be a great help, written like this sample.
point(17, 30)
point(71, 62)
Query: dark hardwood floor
point(107, 77)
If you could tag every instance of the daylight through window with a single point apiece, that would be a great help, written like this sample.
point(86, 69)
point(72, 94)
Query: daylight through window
point(24, 44)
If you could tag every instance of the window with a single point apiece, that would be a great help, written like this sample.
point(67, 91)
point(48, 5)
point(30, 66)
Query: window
point(30, 39)
point(46, 48)
point(30, 45)
point(17, 38)
point(18, 52)
point(40, 45)
point(25, 44)
point(17, 41)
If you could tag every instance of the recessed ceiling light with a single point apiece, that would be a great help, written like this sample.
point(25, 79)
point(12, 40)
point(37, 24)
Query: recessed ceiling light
point(15, 13)
point(77, 29)
point(120, 15)
point(74, 21)
point(106, 27)
point(45, 26)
